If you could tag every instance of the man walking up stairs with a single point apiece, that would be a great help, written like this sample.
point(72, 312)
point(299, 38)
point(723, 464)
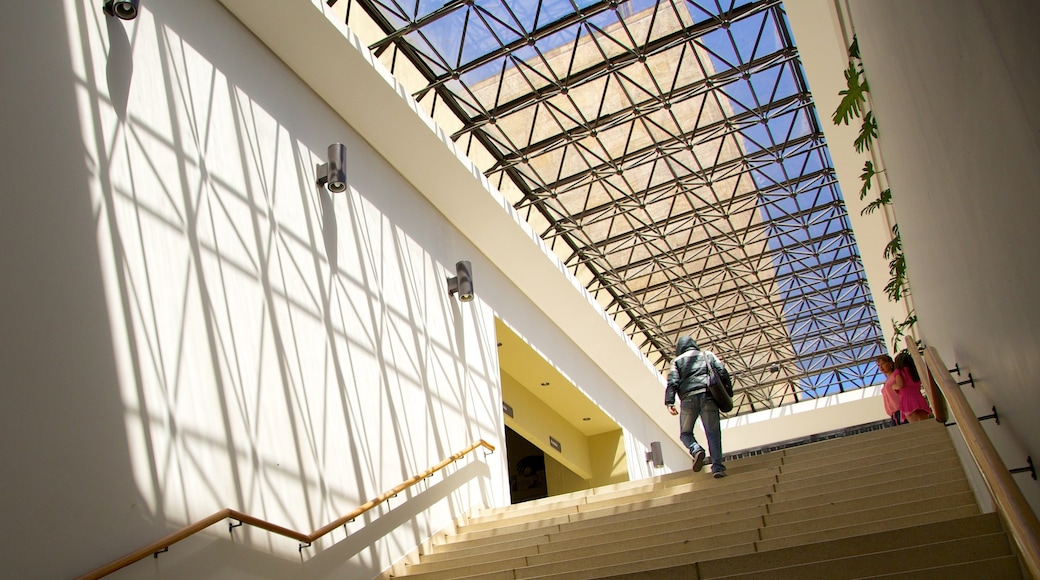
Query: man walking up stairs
point(887, 503)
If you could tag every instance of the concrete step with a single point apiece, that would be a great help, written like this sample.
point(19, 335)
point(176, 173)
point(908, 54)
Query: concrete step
point(634, 516)
point(982, 524)
point(881, 461)
point(750, 565)
point(905, 432)
point(734, 522)
point(704, 484)
point(801, 455)
point(894, 471)
point(888, 503)
point(850, 445)
point(825, 448)
point(752, 462)
point(1004, 568)
point(806, 490)
point(644, 558)
point(902, 559)
point(659, 528)
point(805, 535)
point(702, 491)
point(685, 560)
point(865, 516)
point(635, 486)
point(698, 482)
point(878, 455)
point(607, 548)
point(680, 524)
point(826, 506)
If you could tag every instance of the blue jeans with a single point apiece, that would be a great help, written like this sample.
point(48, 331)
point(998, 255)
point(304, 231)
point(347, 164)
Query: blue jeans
point(703, 406)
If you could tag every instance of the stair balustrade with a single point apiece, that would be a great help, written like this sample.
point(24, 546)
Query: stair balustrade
point(305, 540)
point(1011, 505)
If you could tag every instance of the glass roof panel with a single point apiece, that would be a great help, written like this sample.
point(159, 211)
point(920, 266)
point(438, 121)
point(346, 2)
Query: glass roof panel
point(673, 150)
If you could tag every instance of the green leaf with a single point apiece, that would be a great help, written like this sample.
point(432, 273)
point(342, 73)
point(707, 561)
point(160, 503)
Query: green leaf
point(865, 177)
point(896, 287)
point(895, 246)
point(853, 99)
point(884, 199)
point(854, 48)
point(900, 329)
point(867, 133)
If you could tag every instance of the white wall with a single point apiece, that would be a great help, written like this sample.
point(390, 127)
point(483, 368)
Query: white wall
point(955, 92)
point(579, 339)
point(189, 324)
point(802, 419)
point(954, 88)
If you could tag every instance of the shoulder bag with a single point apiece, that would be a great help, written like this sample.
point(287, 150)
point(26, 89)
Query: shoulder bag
point(718, 391)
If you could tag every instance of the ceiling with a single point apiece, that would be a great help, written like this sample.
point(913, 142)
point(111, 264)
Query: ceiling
point(518, 359)
point(669, 152)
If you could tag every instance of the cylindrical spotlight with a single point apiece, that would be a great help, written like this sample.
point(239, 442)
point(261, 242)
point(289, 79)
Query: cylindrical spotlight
point(122, 9)
point(462, 282)
point(337, 168)
point(465, 274)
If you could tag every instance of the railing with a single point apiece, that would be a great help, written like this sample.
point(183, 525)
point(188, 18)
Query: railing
point(935, 396)
point(305, 539)
point(1011, 505)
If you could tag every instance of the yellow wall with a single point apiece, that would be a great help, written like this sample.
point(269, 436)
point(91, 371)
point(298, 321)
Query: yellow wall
point(536, 422)
point(584, 462)
point(560, 480)
point(608, 458)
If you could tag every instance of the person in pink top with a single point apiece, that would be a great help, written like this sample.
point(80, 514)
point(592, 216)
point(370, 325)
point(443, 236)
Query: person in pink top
point(889, 396)
point(912, 403)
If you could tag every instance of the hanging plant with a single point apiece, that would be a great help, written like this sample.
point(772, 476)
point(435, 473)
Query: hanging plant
point(896, 287)
point(900, 330)
point(884, 199)
point(866, 177)
point(854, 105)
point(867, 133)
point(854, 96)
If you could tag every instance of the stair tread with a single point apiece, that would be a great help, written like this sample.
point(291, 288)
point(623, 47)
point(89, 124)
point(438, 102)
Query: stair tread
point(857, 544)
point(865, 505)
point(894, 560)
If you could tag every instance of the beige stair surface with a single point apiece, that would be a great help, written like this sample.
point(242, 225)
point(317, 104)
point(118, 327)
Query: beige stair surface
point(888, 503)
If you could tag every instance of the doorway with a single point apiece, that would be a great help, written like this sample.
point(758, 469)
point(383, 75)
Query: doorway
point(526, 469)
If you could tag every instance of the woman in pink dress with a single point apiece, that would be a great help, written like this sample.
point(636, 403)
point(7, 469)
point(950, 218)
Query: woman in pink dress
point(888, 395)
point(912, 403)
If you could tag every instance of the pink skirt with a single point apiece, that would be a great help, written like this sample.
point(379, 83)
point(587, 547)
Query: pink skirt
point(911, 399)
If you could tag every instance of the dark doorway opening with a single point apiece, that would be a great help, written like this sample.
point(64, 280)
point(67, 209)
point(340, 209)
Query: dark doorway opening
point(526, 469)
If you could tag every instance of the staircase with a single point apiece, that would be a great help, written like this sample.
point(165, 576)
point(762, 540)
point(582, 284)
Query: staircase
point(888, 503)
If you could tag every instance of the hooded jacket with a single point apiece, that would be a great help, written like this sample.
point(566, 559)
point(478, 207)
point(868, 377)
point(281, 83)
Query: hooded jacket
point(689, 372)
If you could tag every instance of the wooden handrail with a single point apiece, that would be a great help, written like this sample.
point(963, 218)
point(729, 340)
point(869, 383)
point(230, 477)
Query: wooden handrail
point(1018, 517)
point(206, 522)
point(934, 394)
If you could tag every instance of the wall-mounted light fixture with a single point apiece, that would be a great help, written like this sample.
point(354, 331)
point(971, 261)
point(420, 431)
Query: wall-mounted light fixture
point(462, 282)
point(655, 456)
point(123, 9)
point(334, 173)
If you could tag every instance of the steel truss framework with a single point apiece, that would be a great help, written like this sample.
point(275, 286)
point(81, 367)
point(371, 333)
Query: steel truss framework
point(670, 152)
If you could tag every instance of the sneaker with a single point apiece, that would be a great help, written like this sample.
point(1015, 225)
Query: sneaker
point(698, 459)
point(719, 474)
